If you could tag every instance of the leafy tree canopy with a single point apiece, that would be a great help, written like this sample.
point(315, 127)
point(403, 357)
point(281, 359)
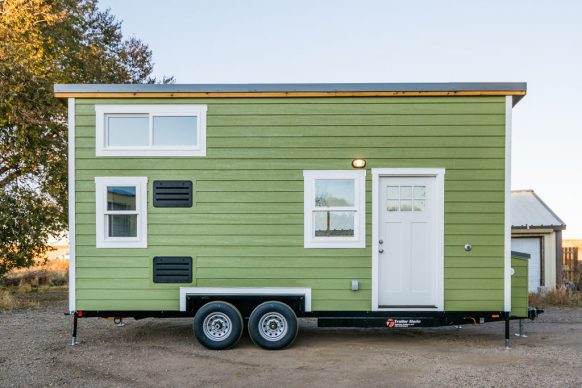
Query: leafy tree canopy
point(43, 42)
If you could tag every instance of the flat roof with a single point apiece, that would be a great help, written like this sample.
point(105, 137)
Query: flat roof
point(515, 89)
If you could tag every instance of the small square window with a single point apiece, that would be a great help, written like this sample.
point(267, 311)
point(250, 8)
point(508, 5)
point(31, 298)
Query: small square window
point(121, 212)
point(334, 209)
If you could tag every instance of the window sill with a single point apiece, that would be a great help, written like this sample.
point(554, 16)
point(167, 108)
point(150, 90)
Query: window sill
point(151, 152)
point(334, 244)
point(121, 244)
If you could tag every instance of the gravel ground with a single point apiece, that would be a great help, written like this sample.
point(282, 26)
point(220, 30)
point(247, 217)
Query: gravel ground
point(35, 351)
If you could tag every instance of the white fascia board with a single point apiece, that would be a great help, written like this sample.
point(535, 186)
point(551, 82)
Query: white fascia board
point(72, 203)
point(184, 291)
point(507, 240)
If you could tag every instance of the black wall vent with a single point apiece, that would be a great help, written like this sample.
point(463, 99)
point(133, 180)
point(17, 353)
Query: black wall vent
point(172, 193)
point(172, 269)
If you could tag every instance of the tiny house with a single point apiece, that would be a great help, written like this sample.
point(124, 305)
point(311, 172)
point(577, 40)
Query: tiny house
point(364, 205)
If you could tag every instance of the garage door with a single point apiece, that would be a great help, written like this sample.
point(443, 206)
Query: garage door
point(531, 246)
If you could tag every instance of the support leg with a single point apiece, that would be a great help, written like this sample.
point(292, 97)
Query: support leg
point(118, 322)
point(521, 330)
point(507, 340)
point(74, 330)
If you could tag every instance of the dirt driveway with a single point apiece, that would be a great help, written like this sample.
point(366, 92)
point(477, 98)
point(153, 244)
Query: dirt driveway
point(34, 351)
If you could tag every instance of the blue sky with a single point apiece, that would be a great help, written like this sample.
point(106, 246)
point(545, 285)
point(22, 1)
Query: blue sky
point(538, 42)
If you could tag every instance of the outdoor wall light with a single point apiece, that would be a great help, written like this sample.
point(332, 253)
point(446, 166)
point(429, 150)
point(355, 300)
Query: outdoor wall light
point(358, 163)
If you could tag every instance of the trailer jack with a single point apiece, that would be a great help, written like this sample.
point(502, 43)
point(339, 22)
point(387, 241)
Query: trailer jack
point(74, 341)
point(521, 330)
point(118, 322)
point(507, 340)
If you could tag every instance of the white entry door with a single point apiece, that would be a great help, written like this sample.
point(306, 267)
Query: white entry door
point(407, 242)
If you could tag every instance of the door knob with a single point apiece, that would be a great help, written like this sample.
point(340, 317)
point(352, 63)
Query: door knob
point(381, 250)
point(381, 242)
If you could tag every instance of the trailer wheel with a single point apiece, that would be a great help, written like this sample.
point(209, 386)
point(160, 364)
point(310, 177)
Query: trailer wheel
point(273, 325)
point(218, 325)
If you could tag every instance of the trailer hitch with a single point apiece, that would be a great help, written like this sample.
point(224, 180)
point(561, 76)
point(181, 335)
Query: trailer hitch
point(533, 312)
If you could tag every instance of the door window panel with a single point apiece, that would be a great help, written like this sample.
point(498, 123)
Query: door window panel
point(405, 198)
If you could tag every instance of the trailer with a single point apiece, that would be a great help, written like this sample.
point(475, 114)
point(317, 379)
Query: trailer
point(361, 205)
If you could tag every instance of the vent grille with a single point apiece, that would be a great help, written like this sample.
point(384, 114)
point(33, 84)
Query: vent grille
point(172, 269)
point(172, 194)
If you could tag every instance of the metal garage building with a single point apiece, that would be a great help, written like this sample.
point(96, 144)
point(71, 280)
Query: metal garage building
point(537, 230)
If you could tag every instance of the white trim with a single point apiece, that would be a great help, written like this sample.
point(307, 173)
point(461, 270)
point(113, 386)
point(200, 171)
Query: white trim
point(245, 291)
point(359, 239)
point(102, 241)
point(71, 166)
point(439, 174)
point(507, 241)
point(101, 148)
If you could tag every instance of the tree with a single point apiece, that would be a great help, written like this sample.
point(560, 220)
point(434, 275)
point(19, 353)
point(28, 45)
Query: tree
point(43, 42)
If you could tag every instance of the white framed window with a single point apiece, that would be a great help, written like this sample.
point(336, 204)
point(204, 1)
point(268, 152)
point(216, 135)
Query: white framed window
point(121, 212)
point(335, 208)
point(150, 130)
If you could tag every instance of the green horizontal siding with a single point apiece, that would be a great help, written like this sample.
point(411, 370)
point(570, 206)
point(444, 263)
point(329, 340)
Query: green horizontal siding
point(246, 226)
point(519, 287)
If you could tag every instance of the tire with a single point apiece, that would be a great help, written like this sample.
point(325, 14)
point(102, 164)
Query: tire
point(218, 325)
point(273, 325)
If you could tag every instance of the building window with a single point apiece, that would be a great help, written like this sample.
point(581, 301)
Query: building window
point(121, 210)
point(334, 205)
point(150, 130)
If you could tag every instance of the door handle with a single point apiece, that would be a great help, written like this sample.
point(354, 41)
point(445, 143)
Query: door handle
point(381, 250)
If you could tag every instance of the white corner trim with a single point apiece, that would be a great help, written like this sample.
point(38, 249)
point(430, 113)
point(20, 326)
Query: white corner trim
point(359, 239)
point(184, 291)
point(439, 174)
point(507, 241)
point(72, 203)
point(199, 111)
point(101, 240)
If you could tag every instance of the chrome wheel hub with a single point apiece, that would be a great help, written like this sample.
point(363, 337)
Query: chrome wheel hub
point(217, 326)
point(273, 326)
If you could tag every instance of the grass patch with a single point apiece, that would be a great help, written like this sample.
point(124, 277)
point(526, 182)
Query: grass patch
point(559, 296)
point(32, 287)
